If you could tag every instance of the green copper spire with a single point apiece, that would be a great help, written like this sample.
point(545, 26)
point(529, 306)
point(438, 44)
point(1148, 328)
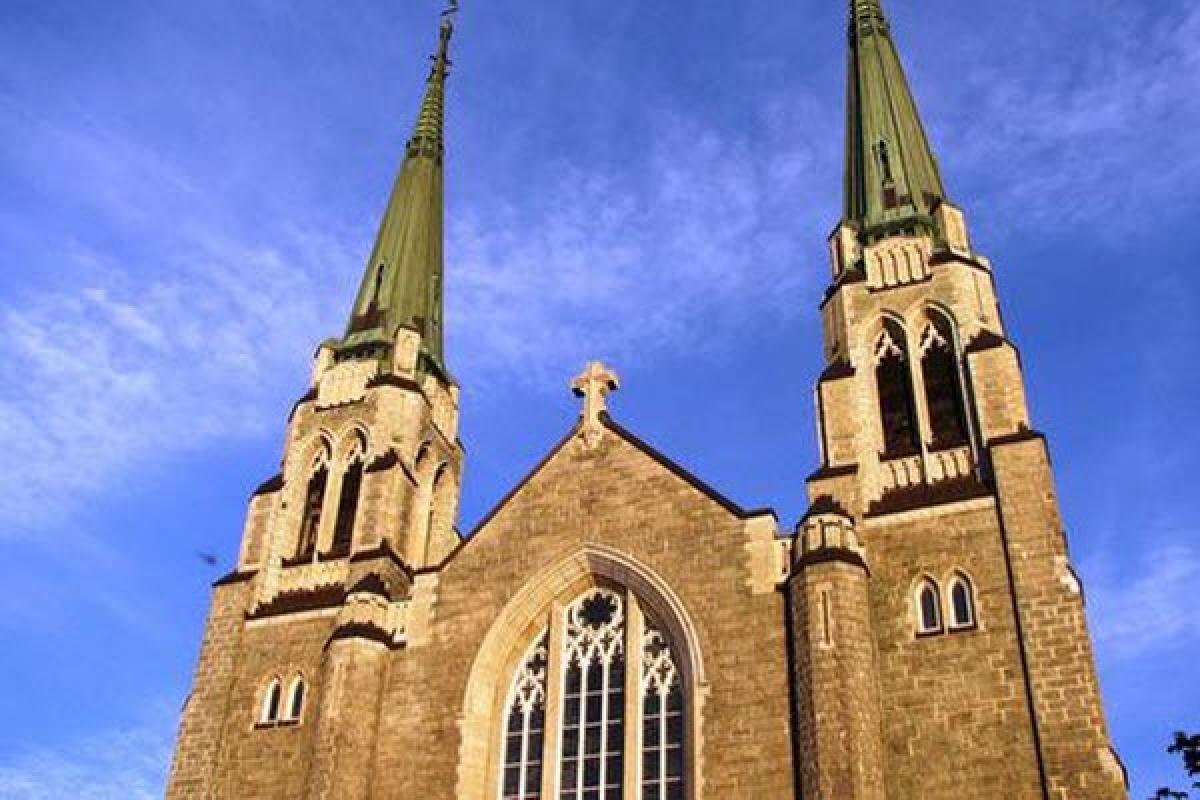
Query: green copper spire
point(892, 176)
point(402, 285)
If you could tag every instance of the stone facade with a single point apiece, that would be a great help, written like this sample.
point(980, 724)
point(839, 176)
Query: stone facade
point(920, 636)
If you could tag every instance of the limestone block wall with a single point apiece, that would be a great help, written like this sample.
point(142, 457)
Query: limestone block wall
point(270, 763)
point(955, 710)
point(615, 497)
point(1079, 761)
point(203, 720)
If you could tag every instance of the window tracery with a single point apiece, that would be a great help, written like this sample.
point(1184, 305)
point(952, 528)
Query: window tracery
point(662, 720)
point(593, 730)
point(897, 407)
point(525, 725)
point(343, 532)
point(314, 504)
point(620, 702)
point(943, 383)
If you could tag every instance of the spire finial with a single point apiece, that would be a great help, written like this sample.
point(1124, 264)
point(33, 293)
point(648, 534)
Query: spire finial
point(892, 177)
point(402, 284)
point(867, 17)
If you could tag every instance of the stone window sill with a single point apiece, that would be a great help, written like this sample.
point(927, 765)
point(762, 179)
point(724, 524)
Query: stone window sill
point(281, 723)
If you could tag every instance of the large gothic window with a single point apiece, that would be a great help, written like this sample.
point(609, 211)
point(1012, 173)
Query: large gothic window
point(894, 382)
point(343, 531)
point(943, 383)
point(609, 651)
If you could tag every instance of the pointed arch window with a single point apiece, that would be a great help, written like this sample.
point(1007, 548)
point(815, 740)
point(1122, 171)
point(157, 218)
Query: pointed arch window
point(593, 728)
point(343, 532)
point(380, 272)
point(962, 603)
point(271, 703)
point(894, 383)
point(943, 383)
point(295, 703)
point(525, 726)
point(610, 652)
point(929, 608)
point(314, 504)
point(662, 720)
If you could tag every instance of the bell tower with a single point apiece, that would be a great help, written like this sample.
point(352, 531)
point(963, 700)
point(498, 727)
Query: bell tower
point(364, 504)
point(939, 626)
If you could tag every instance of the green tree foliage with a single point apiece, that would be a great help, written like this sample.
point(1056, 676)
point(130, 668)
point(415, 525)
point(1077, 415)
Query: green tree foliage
point(1188, 748)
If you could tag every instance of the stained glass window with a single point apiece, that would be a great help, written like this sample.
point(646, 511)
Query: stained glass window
point(662, 720)
point(593, 727)
point(525, 728)
point(596, 673)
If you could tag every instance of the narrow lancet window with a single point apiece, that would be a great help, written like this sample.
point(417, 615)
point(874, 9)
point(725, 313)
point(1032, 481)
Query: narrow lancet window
point(343, 532)
point(662, 720)
point(295, 707)
point(524, 728)
point(943, 384)
point(962, 604)
point(314, 503)
point(436, 500)
point(885, 163)
point(272, 700)
point(929, 608)
point(894, 382)
point(593, 729)
point(379, 274)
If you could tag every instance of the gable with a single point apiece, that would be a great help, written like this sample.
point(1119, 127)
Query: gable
point(650, 472)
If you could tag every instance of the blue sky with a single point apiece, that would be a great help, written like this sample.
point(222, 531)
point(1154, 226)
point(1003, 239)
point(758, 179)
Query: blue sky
point(188, 191)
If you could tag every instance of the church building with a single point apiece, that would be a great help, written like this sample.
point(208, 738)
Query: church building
point(617, 629)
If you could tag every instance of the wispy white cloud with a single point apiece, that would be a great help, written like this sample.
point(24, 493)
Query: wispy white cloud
point(118, 360)
point(1076, 119)
point(1145, 604)
point(127, 361)
point(697, 238)
point(140, 364)
point(124, 764)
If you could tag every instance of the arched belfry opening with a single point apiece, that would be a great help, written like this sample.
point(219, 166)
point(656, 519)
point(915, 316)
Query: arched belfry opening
point(943, 382)
point(348, 496)
point(893, 380)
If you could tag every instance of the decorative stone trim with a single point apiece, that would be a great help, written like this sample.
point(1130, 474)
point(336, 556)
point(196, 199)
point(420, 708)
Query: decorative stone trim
point(827, 472)
point(927, 495)
point(827, 535)
point(269, 486)
point(838, 370)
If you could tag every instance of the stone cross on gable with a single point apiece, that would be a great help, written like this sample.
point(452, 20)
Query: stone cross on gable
point(593, 385)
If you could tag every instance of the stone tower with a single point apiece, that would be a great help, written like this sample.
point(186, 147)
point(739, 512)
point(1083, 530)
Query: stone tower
point(941, 644)
point(366, 499)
